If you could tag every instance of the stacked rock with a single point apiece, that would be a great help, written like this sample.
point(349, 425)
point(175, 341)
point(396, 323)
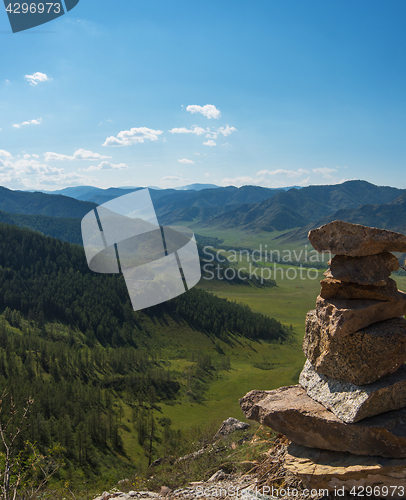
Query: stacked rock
point(351, 395)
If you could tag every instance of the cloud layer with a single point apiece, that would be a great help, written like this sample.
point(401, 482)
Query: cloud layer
point(80, 154)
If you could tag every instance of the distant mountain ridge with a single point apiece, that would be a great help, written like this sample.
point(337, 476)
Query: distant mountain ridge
point(296, 208)
point(24, 202)
point(249, 208)
point(390, 216)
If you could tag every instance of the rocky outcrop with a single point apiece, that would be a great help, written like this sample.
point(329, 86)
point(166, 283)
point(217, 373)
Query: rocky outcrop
point(336, 289)
point(360, 358)
point(229, 426)
point(350, 402)
point(371, 270)
point(292, 412)
point(354, 240)
point(341, 317)
point(340, 472)
point(352, 392)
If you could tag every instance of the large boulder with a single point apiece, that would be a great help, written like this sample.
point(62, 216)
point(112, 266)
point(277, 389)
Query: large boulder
point(335, 289)
point(369, 270)
point(292, 412)
point(350, 402)
point(362, 357)
point(344, 238)
point(341, 317)
point(368, 477)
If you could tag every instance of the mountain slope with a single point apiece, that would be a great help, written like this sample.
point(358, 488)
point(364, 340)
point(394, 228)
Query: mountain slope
point(23, 202)
point(62, 228)
point(390, 216)
point(296, 208)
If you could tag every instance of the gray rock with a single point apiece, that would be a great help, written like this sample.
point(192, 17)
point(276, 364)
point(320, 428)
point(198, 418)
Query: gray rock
point(220, 475)
point(342, 317)
point(229, 426)
point(360, 358)
point(165, 490)
point(338, 472)
point(350, 402)
point(335, 289)
point(344, 238)
point(195, 454)
point(292, 412)
point(370, 270)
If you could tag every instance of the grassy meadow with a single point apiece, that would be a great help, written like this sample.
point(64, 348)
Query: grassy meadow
point(253, 365)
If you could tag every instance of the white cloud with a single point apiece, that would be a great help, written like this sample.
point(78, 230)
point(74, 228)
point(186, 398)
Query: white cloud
point(83, 154)
point(29, 173)
point(5, 154)
point(37, 78)
point(35, 156)
point(210, 133)
point(63, 179)
point(57, 157)
point(227, 130)
point(80, 154)
point(106, 165)
point(209, 143)
point(29, 122)
point(186, 161)
point(183, 130)
point(208, 110)
point(27, 166)
point(133, 136)
point(281, 171)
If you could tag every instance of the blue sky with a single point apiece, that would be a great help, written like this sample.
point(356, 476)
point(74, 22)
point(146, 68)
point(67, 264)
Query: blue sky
point(269, 92)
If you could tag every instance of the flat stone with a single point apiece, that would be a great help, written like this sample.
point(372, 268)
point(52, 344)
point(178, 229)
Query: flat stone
point(338, 471)
point(290, 411)
point(350, 402)
point(341, 317)
point(369, 270)
point(344, 238)
point(362, 357)
point(335, 289)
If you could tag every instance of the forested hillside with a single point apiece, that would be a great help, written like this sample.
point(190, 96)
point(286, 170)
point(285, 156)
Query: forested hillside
point(298, 207)
point(22, 202)
point(63, 228)
point(70, 339)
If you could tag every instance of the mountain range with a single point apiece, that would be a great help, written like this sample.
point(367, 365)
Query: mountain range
point(249, 208)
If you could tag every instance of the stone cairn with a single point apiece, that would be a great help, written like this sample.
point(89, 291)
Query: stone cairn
point(347, 417)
